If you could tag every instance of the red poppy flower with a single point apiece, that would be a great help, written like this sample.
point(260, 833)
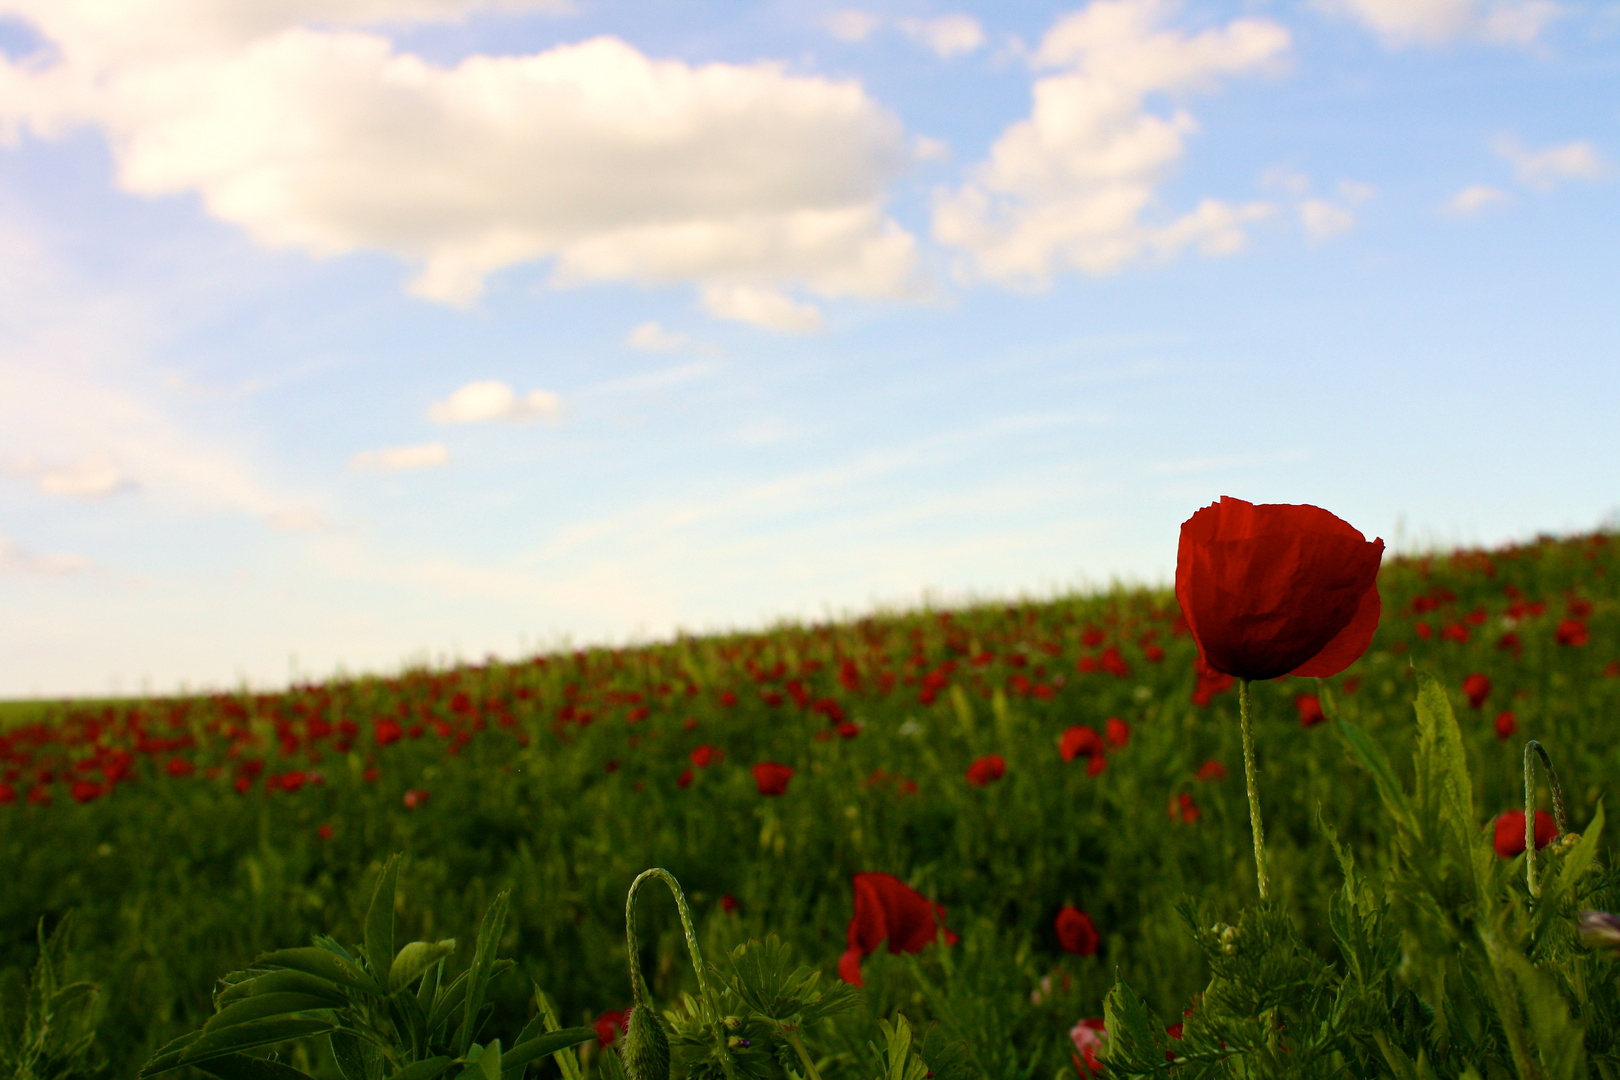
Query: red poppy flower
point(1310, 709)
point(705, 755)
point(8, 794)
point(324, 832)
point(1509, 839)
point(684, 780)
point(1075, 931)
point(84, 791)
point(887, 909)
point(388, 732)
point(179, 766)
point(1572, 632)
point(1119, 732)
point(728, 904)
point(1182, 808)
point(1477, 687)
point(847, 730)
point(1277, 589)
point(772, 778)
point(414, 798)
point(1209, 682)
point(1088, 1035)
point(1078, 740)
point(608, 1026)
point(1096, 765)
point(1212, 770)
point(987, 770)
point(1505, 725)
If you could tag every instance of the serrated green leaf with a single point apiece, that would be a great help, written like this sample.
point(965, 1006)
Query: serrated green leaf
point(422, 1070)
point(380, 923)
point(1135, 1041)
point(414, 960)
point(261, 1006)
point(323, 964)
point(285, 981)
point(243, 1067)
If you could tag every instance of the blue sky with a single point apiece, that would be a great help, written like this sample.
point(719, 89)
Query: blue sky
point(342, 334)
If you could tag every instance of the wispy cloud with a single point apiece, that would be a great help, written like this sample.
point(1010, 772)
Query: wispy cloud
point(18, 560)
point(493, 400)
point(1401, 23)
point(1543, 169)
point(401, 458)
point(87, 478)
point(1474, 198)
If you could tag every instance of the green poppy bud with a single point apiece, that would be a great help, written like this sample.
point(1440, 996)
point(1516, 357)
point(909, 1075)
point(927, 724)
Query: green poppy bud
point(646, 1046)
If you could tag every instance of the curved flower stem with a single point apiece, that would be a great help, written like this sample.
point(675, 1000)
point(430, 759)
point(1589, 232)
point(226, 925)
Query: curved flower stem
point(638, 986)
point(1254, 790)
point(1530, 810)
point(798, 1045)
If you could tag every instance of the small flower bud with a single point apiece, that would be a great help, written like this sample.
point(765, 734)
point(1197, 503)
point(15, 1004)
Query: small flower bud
point(646, 1046)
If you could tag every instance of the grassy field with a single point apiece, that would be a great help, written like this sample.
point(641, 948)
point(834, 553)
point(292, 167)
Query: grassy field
point(188, 836)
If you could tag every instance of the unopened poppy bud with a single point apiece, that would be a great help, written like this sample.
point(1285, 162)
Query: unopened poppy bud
point(646, 1046)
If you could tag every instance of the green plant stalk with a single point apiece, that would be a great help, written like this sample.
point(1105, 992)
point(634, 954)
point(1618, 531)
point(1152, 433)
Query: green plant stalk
point(638, 985)
point(1245, 723)
point(1530, 810)
point(792, 1035)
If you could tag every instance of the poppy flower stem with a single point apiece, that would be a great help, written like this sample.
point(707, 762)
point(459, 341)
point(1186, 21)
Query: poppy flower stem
point(1247, 726)
point(1530, 810)
point(638, 985)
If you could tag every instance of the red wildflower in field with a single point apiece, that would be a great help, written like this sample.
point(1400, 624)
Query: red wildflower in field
point(1509, 642)
point(689, 724)
point(39, 795)
point(1277, 589)
point(772, 778)
point(415, 797)
point(1154, 654)
point(179, 766)
point(887, 909)
point(1611, 670)
point(84, 791)
point(1088, 1035)
point(1075, 931)
point(727, 699)
point(1078, 740)
point(1119, 732)
point(1424, 631)
point(1096, 765)
point(243, 783)
point(684, 780)
point(1571, 632)
point(847, 730)
point(1212, 770)
point(608, 1026)
point(1505, 725)
point(1209, 682)
point(1477, 688)
point(1509, 839)
point(986, 770)
point(1183, 809)
point(1310, 709)
point(728, 904)
point(8, 794)
point(388, 732)
point(706, 755)
point(1113, 662)
point(324, 832)
point(1580, 608)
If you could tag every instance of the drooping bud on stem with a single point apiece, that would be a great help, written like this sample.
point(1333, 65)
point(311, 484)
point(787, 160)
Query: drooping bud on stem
point(1530, 810)
point(646, 1044)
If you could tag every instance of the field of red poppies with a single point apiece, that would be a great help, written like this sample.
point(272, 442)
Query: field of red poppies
point(1023, 827)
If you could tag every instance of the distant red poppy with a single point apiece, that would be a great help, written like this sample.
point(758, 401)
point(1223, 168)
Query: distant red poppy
point(388, 732)
point(1505, 725)
point(324, 832)
point(84, 791)
point(1119, 732)
point(1580, 608)
point(178, 767)
point(1212, 770)
point(243, 784)
point(987, 770)
point(1182, 808)
point(1276, 589)
point(1096, 765)
point(8, 794)
point(705, 755)
point(1310, 710)
point(847, 730)
point(415, 797)
point(1113, 662)
point(1075, 931)
point(1572, 632)
point(1078, 740)
point(39, 795)
point(887, 909)
point(1088, 1035)
point(1209, 682)
point(608, 1026)
point(728, 904)
point(772, 778)
point(727, 698)
point(1509, 840)
point(1476, 688)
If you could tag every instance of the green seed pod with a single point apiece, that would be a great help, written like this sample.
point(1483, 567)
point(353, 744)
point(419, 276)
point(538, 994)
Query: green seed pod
point(646, 1046)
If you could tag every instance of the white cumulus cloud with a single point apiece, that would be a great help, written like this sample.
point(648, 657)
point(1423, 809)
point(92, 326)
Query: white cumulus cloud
point(1071, 186)
point(494, 400)
point(1544, 168)
point(1432, 22)
point(1474, 198)
point(762, 307)
point(87, 478)
point(853, 25)
point(652, 337)
point(594, 158)
point(1324, 220)
point(946, 36)
point(400, 458)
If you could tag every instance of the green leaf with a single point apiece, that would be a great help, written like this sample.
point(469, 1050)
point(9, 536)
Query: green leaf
point(422, 1070)
point(243, 1067)
point(351, 1060)
point(414, 960)
point(448, 1000)
point(380, 923)
point(323, 964)
point(261, 1006)
point(1442, 773)
point(217, 1043)
point(489, 937)
point(554, 1042)
point(1372, 758)
point(489, 1062)
point(1135, 1042)
point(285, 981)
point(1575, 863)
point(566, 1062)
point(168, 1055)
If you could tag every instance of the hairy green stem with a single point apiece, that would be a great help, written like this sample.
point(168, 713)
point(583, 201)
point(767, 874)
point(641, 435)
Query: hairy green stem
point(638, 986)
point(1245, 723)
point(1530, 809)
point(809, 1066)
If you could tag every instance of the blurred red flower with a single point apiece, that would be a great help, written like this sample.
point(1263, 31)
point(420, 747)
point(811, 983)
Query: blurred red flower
point(684, 780)
point(848, 730)
point(1119, 732)
point(388, 732)
point(705, 755)
point(1088, 1034)
point(1075, 931)
point(415, 797)
point(1183, 809)
point(1310, 709)
point(728, 904)
point(324, 832)
point(1096, 765)
point(1477, 688)
point(179, 766)
point(1277, 589)
point(1212, 770)
point(1505, 725)
point(1209, 682)
point(1572, 632)
point(772, 778)
point(1078, 740)
point(887, 909)
point(986, 770)
point(608, 1026)
point(8, 794)
point(84, 791)
point(1113, 662)
point(1509, 839)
